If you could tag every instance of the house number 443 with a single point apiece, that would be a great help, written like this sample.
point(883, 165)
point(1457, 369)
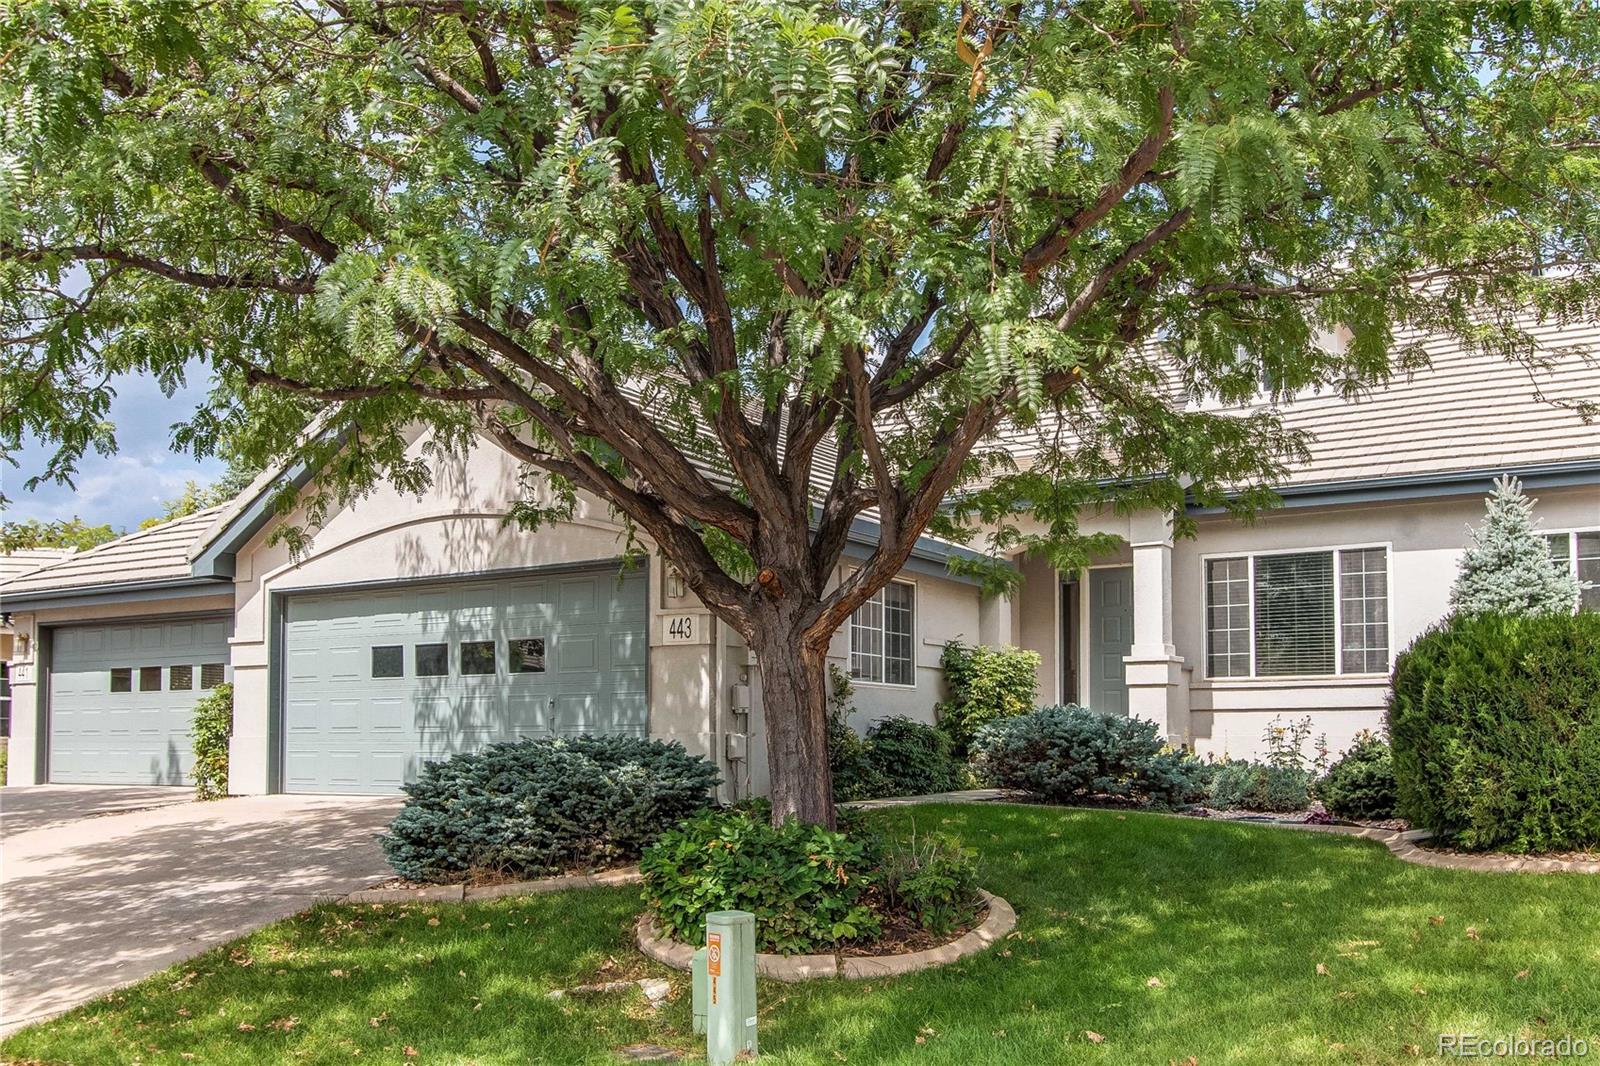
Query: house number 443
point(682, 629)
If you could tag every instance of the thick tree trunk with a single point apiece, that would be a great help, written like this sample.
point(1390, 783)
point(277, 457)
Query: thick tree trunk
point(794, 695)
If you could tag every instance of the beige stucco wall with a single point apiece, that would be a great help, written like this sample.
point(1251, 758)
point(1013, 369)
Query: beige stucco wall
point(24, 757)
point(943, 610)
point(1425, 539)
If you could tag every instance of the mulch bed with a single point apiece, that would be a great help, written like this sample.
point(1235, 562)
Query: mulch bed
point(1563, 856)
point(902, 934)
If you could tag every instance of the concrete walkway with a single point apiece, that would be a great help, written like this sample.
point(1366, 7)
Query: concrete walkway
point(103, 886)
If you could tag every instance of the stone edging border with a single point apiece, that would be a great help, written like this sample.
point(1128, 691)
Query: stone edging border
point(1000, 920)
point(626, 875)
point(1404, 846)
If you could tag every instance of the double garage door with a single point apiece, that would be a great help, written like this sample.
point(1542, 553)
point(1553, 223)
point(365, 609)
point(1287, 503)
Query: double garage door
point(380, 681)
point(121, 699)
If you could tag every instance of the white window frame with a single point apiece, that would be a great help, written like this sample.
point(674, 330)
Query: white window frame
point(1338, 611)
point(1571, 533)
point(883, 641)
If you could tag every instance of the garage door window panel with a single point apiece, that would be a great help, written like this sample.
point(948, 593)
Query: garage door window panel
point(477, 657)
point(122, 679)
point(389, 660)
point(149, 679)
point(180, 678)
point(527, 655)
point(433, 660)
point(212, 674)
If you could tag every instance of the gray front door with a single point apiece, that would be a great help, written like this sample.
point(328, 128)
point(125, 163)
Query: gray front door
point(378, 682)
point(1110, 637)
point(121, 699)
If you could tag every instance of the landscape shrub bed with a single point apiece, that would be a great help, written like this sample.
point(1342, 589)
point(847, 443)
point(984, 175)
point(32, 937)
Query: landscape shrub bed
point(213, 724)
point(811, 888)
point(1360, 785)
point(807, 885)
point(1240, 784)
point(1069, 753)
point(985, 684)
point(1494, 722)
point(899, 756)
point(546, 805)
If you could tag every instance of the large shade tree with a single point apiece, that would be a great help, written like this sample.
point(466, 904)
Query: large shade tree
point(750, 270)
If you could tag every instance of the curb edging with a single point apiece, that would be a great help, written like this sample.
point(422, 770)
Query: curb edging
point(1000, 920)
point(626, 875)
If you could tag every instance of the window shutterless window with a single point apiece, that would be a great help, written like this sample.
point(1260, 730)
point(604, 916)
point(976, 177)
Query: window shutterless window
point(180, 678)
point(149, 679)
point(881, 646)
point(212, 674)
point(1298, 614)
point(1579, 555)
point(122, 679)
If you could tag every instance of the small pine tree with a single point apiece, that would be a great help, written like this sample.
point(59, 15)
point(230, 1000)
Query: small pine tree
point(1508, 567)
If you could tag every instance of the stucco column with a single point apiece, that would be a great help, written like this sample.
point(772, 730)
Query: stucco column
point(995, 616)
point(1157, 686)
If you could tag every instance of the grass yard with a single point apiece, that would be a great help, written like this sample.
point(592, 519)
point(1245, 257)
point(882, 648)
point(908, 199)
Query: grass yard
point(1141, 939)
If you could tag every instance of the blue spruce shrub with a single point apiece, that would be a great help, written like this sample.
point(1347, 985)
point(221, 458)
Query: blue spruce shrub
point(541, 806)
point(1067, 753)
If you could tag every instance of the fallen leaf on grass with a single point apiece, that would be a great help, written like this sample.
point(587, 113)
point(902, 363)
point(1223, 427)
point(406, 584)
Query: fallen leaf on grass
point(411, 1052)
point(379, 1020)
point(285, 1024)
point(1472, 933)
point(1322, 971)
point(246, 1027)
point(1155, 982)
point(433, 921)
point(1190, 1061)
point(337, 973)
point(1436, 919)
point(1093, 1037)
point(1522, 975)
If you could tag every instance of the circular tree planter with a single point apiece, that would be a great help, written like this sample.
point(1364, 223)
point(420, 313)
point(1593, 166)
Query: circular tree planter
point(999, 921)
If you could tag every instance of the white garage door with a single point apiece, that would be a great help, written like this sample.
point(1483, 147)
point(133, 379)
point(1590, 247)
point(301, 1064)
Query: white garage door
point(379, 681)
point(121, 698)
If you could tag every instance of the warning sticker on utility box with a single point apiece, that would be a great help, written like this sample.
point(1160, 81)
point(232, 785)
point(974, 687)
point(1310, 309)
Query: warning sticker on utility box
point(714, 954)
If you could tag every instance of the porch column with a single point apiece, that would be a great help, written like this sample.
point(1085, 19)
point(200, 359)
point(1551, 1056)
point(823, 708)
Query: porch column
point(995, 619)
point(1157, 687)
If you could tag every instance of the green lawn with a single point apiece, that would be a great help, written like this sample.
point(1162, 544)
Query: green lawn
point(1231, 921)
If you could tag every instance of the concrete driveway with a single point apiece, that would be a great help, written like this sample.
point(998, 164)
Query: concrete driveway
point(100, 886)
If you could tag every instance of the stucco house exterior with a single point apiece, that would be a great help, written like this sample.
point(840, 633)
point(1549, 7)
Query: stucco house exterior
point(410, 628)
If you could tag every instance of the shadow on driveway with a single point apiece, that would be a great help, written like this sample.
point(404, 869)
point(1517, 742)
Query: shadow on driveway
point(97, 902)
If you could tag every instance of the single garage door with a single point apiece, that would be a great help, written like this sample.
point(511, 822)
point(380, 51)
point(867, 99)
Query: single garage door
point(378, 682)
point(121, 699)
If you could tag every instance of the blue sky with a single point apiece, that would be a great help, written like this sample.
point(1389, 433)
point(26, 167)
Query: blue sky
point(129, 486)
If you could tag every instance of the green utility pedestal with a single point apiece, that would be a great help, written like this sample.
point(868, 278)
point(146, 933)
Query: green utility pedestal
point(731, 984)
point(698, 995)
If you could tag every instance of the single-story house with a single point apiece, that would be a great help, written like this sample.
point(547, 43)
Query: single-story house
point(407, 629)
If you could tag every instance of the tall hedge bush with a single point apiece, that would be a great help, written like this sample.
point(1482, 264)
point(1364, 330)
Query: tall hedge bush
point(213, 724)
point(544, 805)
point(984, 683)
point(1494, 721)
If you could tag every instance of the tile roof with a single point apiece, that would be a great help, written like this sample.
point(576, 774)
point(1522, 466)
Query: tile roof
point(21, 561)
point(160, 553)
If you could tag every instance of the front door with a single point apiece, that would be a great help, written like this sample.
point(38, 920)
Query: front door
point(1110, 637)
